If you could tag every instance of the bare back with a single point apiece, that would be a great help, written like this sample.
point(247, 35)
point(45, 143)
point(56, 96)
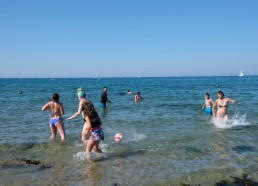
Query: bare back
point(56, 109)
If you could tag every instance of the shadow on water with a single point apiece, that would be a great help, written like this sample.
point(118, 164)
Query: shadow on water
point(237, 181)
point(244, 148)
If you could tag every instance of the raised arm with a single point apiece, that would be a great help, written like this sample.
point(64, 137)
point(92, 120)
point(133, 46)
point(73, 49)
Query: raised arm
point(45, 107)
point(232, 100)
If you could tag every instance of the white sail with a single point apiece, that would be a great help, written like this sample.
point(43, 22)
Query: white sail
point(241, 74)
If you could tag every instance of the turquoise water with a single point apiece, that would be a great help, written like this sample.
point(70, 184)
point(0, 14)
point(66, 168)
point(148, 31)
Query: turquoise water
point(168, 139)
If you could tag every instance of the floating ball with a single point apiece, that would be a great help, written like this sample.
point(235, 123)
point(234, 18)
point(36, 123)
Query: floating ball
point(119, 137)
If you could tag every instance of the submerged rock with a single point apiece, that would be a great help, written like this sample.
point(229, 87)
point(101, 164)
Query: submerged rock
point(19, 163)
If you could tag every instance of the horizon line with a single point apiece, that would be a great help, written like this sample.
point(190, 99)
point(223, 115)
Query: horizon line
point(96, 77)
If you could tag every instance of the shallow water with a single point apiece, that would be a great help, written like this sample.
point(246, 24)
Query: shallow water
point(167, 138)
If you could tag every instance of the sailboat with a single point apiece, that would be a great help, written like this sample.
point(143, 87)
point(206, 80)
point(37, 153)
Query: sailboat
point(241, 74)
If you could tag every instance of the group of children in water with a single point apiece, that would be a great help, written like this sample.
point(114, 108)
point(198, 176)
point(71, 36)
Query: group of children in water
point(92, 132)
point(218, 108)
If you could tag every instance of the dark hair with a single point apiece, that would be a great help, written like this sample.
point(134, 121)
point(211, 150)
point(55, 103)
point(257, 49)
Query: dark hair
point(55, 97)
point(207, 94)
point(220, 92)
point(105, 86)
point(89, 110)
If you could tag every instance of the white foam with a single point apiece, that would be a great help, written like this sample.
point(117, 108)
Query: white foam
point(94, 156)
point(136, 137)
point(236, 120)
point(80, 155)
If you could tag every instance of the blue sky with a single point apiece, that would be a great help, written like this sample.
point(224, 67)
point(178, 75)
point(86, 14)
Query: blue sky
point(121, 38)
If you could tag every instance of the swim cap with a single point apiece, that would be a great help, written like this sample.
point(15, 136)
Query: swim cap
point(79, 89)
point(81, 93)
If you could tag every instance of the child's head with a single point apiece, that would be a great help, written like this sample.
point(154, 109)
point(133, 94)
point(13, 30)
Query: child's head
point(207, 95)
point(81, 93)
point(89, 110)
point(55, 97)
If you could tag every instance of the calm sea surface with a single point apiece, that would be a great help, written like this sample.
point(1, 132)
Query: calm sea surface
point(168, 138)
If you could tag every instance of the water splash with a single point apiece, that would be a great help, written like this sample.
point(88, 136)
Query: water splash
point(136, 137)
point(234, 121)
point(93, 157)
point(80, 155)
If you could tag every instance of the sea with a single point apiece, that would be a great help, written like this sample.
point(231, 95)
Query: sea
point(167, 138)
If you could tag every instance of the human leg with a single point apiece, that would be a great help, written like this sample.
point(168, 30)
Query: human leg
point(96, 147)
point(61, 129)
point(53, 132)
point(85, 133)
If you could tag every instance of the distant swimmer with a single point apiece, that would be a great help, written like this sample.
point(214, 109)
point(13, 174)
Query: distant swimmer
point(104, 100)
point(56, 121)
point(129, 92)
point(20, 91)
point(218, 86)
point(208, 104)
point(222, 106)
point(138, 97)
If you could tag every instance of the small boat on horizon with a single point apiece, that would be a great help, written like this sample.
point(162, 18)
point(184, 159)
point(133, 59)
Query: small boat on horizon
point(241, 74)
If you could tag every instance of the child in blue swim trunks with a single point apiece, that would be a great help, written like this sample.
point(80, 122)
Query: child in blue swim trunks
point(56, 122)
point(208, 104)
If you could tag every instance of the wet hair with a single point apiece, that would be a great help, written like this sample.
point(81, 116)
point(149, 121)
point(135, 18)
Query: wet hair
point(89, 110)
point(138, 93)
point(207, 94)
point(220, 92)
point(105, 87)
point(55, 97)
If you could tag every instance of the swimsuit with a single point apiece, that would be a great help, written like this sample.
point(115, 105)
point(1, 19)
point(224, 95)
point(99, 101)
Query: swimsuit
point(208, 110)
point(220, 105)
point(96, 132)
point(54, 121)
point(103, 105)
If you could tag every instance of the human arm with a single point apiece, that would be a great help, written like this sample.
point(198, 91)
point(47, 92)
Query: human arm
point(232, 100)
point(213, 109)
point(62, 109)
point(204, 105)
point(88, 124)
point(108, 101)
point(77, 113)
point(45, 107)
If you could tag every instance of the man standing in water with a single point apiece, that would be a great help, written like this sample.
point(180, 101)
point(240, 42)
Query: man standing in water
point(222, 104)
point(104, 100)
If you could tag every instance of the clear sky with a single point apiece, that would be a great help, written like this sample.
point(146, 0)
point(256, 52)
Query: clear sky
point(121, 38)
